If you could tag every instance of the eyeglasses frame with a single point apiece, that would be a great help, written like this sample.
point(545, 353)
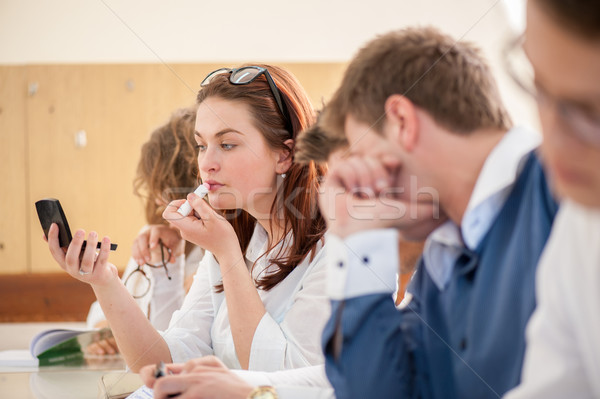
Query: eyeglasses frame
point(139, 269)
point(541, 97)
point(261, 71)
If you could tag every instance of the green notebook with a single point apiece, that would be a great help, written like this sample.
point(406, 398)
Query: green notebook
point(65, 347)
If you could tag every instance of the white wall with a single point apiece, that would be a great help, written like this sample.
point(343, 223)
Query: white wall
point(110, 31)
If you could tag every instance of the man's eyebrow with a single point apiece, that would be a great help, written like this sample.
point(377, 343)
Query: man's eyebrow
point(220, 132)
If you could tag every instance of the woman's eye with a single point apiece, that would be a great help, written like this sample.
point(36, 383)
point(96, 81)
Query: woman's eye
point(227, 146)
point(201, 147)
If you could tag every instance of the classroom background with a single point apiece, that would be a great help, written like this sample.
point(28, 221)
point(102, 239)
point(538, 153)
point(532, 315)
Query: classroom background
point(83, 83)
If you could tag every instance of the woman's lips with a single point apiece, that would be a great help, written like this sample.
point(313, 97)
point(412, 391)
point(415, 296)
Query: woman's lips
point(213, 185)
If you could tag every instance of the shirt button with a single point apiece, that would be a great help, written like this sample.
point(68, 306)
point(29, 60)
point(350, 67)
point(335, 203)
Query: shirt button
point(341, 264)
point(463, 344)
point(366, 259)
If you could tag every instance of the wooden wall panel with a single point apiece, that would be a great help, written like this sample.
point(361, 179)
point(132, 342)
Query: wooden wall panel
point(319, 80)
point(13, 172)
point(44, 297)
point(117, 106)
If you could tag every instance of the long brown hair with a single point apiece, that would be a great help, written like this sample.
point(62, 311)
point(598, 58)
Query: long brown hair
point(167, 169)
point(300, 214)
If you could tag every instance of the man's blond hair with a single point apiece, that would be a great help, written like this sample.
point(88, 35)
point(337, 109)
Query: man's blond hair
point(450, 80)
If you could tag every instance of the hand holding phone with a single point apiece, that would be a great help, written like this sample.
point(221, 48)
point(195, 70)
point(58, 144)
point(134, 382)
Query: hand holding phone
point(50, 211)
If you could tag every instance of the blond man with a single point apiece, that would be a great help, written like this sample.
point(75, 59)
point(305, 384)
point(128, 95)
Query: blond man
point(432, 154)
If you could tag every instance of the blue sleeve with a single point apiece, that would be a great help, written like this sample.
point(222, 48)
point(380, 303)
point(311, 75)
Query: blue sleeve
point(366, 355)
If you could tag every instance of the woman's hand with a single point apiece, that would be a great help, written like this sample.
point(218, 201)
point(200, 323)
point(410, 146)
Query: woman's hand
point(106, 346)
point(205, 377)
point(204, 227)
point(90, 267)
point(148, 239)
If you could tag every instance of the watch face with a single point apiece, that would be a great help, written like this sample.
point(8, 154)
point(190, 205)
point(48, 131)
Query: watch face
point(264, 393)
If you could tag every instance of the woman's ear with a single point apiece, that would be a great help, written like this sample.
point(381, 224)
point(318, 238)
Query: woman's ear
point(402, 124)
point(284, 160)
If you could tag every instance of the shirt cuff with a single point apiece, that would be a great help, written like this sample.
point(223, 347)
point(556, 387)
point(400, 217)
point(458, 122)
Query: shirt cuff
point(267, 352)
point(364, 263)
point(294, 392)
point(254, 378)
point(285, 391)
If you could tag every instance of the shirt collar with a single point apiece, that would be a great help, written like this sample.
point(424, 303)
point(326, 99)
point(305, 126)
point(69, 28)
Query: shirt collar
point(442, 248)
point(259, 241)
point(497, 177)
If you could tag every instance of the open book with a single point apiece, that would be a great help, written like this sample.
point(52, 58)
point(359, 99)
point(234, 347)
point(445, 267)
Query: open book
point(52, 347)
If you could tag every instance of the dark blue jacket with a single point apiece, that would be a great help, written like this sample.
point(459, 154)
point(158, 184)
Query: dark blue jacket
point(467, 341)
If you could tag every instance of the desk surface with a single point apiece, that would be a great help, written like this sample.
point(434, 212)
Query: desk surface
point(49, 382)
point(76, 384)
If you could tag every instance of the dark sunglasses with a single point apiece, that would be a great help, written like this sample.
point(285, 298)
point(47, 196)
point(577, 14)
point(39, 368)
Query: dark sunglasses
point(248, 74)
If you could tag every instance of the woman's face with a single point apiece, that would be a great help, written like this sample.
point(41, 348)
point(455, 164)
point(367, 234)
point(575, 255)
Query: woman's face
point(567, 71)
point(234, 159)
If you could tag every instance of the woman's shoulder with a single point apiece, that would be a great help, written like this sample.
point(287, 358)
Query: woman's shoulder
point(318, 256)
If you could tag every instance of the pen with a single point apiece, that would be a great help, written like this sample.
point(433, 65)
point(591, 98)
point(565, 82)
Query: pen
point(161, 371)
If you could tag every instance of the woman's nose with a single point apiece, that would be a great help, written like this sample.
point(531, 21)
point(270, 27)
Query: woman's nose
point(208, 161)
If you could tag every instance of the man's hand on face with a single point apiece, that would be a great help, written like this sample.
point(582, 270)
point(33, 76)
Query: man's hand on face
point(362, 193)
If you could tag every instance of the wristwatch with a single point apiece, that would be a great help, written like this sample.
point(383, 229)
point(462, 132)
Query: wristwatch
point(263, 392)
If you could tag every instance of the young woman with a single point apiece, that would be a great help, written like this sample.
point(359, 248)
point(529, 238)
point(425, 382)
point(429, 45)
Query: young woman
point(166, 170)
point(258, 299)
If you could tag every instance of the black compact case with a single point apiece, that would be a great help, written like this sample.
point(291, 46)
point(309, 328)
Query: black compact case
point(50, 211)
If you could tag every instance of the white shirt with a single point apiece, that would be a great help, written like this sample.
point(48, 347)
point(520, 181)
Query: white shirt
point(164, 296)
point(288, 335)
point(379, 248)
point(302, 383)
point(563, 335)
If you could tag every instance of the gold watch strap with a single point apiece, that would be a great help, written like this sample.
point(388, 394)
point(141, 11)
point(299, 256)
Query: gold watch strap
point(263, 392)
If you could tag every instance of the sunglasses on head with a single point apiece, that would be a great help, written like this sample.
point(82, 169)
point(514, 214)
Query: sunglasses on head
point(248, 74)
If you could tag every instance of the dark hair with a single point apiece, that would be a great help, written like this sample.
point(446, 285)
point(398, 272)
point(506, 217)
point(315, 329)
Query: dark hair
point(167, 168)
point(314, 144)
point(448, 79)
point(579, 16)
point(302, 180)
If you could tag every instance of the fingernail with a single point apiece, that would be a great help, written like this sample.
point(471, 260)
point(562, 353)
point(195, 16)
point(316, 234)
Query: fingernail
point(381, 184)
point(79, 233)
point(93, 235)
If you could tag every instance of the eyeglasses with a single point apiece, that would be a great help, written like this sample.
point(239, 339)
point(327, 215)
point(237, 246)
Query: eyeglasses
point(247, 75)
point(139, 285)
point(581, 121)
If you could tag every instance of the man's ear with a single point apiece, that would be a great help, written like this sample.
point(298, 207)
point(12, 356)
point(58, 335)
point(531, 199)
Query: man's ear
point(284, 161)
point(401, 120)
